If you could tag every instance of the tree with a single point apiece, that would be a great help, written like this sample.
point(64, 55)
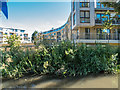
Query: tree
point(115, 5)
point(34, 37)
point(107, 23)
point(14, 42)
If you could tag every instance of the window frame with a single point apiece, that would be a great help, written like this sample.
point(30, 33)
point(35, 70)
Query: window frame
point(85, 16)
point(100, 5)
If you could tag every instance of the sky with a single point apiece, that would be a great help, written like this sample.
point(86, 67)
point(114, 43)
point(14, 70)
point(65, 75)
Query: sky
point(40, 16)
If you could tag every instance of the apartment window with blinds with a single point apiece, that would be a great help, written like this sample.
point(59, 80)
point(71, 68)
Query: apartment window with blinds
point(84, 3)
point(84, 16)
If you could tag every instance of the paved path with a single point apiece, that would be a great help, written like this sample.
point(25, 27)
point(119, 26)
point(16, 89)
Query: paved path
point(101, 81)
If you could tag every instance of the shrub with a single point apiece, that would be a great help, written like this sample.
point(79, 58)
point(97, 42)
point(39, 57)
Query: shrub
point(63, 59)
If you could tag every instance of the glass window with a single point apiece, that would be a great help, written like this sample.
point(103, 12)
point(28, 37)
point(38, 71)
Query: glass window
point(87, 30)
point(16, 30)
point(84, 3)
point(87, 14)
point(84, 16)
point(99, 17)
point(25, 35)
point(81, 14)
point(100, 5)
point(22, 30)
point(12, 29)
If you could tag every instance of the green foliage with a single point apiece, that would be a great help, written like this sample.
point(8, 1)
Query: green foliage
point(34, 37)
point(115, 5)
point(14, 43)
point(64, 59)
point(108, 22)
point(13, 40)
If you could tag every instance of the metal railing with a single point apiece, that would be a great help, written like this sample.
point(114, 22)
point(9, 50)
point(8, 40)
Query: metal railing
point(113, 22)
point(97, 36)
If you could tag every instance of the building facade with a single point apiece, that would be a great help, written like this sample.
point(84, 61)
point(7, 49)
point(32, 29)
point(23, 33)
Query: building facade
point(85, 24)
point(4, 32)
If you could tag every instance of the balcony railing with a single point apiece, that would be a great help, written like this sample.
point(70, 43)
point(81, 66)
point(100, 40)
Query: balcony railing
point(97, 36)
point(113, 22)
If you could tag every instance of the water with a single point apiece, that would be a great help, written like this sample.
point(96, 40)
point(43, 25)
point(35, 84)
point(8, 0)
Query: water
point(99, 81)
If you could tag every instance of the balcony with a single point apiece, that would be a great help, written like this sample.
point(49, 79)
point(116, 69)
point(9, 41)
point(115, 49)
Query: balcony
point(96, 37)
point(100, 6)
point(101, 21)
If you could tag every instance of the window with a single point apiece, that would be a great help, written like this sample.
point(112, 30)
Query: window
point(74, 19)
point(25, 35)
point(84, 17)
point(84, 3)
point(54, 33)
point(100, 5)
point(87, 30)
point(20, 34)
point(87, 33)
point(100, 19)
point(16, 30)
point(12, 30)
point(22, 30)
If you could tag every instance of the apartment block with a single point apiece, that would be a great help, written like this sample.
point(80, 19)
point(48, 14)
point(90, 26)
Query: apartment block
point(85, 24)
point(4, 32)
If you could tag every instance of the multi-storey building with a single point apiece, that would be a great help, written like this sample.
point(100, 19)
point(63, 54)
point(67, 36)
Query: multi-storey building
point(58, 34)
point(10, 31)
point(85, 24)
point(87, 20)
